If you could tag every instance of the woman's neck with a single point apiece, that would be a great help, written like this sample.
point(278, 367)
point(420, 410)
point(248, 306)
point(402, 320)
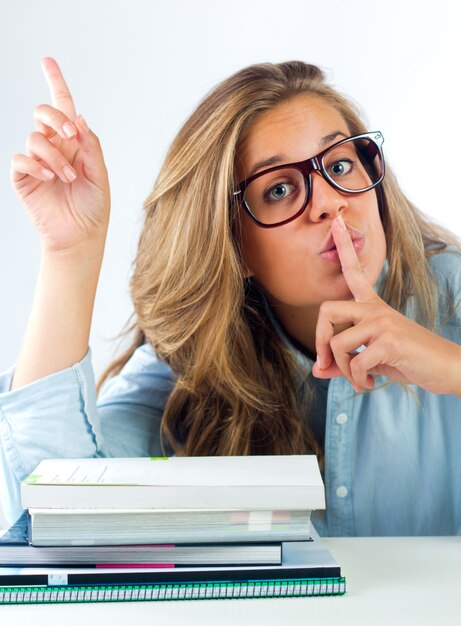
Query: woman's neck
point(300, 324)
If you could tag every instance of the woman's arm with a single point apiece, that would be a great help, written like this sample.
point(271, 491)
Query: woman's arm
point(58, 329)
point(396, 346)
point(62, 182)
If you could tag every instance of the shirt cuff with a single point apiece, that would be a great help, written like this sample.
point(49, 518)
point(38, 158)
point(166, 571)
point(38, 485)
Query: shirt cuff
point(53, 417)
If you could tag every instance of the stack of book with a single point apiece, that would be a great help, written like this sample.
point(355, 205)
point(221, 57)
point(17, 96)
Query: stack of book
point(170, 521)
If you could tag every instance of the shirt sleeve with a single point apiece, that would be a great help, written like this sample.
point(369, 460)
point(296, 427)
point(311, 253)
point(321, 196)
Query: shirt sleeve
point(59, 416)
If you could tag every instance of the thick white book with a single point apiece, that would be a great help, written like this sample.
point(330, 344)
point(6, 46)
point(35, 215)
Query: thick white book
point(85, 527)
point(279, 482)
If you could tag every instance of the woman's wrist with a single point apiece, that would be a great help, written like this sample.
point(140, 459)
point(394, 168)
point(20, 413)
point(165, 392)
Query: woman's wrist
point(86, 254)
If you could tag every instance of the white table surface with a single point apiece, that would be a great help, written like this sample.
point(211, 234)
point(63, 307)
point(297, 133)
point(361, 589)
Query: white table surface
point(391, 581)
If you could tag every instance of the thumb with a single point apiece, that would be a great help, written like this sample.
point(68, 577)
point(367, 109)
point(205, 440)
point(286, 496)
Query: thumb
point(90, 151)
point(332, 371)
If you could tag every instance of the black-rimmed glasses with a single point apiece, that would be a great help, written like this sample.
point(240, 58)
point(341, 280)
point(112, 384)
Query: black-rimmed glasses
point(280, 194)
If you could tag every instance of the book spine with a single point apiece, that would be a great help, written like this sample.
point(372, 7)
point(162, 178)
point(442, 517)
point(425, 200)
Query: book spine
point(192, 591)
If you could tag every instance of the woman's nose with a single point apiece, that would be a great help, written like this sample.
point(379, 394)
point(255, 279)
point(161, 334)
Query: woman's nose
point(325, 201)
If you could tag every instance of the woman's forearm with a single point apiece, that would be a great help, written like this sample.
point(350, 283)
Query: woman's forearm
point(59, 325)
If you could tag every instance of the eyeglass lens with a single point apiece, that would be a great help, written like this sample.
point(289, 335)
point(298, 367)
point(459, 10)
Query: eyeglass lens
point(354, 165)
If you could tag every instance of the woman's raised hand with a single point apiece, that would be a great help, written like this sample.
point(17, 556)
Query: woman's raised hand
point(62, 179)
point(396, 346)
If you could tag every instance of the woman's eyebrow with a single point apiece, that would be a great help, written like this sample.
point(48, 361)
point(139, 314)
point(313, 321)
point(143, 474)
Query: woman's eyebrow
point(280, 158)
point(273, 160)
point(329, 138)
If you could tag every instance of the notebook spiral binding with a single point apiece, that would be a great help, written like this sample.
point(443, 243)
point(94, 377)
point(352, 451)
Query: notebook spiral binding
point(192, 591)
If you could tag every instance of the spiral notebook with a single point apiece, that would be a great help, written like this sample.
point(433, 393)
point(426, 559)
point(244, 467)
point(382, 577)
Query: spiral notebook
point(198, 591)
point(307, 569)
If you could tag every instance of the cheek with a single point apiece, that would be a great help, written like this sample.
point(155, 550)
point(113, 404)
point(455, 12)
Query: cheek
point(376, 251)
point(280, 261)
point(266, 252)
point(380, 238)
point(262, 251)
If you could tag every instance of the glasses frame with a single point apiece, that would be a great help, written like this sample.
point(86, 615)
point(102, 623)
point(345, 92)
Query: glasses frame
point(312, 164)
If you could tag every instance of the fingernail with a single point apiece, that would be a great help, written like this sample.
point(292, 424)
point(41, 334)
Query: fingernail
point(69, 173)
point(340, 221)
point(48, 174)
point(69, 129)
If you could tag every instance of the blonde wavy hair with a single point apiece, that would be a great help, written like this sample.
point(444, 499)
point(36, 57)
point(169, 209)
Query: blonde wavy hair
point(237, 386)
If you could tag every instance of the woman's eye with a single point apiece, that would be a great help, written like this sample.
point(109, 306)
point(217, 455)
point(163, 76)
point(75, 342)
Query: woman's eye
point(279, 191)
point(340, 168)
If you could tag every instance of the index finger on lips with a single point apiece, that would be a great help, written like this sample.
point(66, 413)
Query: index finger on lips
point(60, 93)
point(352, 269)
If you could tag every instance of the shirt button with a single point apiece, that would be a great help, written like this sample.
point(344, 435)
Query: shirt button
point(341, 418)
point(341, 492)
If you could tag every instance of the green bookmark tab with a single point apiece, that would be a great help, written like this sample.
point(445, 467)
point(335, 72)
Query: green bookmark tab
point(32, 479)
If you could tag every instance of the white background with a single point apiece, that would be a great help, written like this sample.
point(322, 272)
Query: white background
point(137, 68)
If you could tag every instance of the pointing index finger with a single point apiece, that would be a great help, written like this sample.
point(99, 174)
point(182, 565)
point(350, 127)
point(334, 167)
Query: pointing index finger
point(60, 93)
point(352, 269)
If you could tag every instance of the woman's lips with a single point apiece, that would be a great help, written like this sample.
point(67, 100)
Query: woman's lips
point(330, 254)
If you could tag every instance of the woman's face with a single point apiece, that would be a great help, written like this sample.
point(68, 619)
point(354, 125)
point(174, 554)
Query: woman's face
point(289, 261)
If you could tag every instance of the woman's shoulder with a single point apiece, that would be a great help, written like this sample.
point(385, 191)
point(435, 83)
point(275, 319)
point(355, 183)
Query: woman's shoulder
point(144, 373)
point(446, 268)
point(145, 359)
point(447, 262)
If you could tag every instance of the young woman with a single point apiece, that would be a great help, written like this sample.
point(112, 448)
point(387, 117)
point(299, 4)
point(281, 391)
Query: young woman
point(288, 299)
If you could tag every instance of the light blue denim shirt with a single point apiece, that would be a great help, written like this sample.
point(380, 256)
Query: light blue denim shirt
point(392, 457)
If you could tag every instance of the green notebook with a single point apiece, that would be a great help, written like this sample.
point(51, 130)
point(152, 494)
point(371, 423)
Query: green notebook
point(197, 591)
